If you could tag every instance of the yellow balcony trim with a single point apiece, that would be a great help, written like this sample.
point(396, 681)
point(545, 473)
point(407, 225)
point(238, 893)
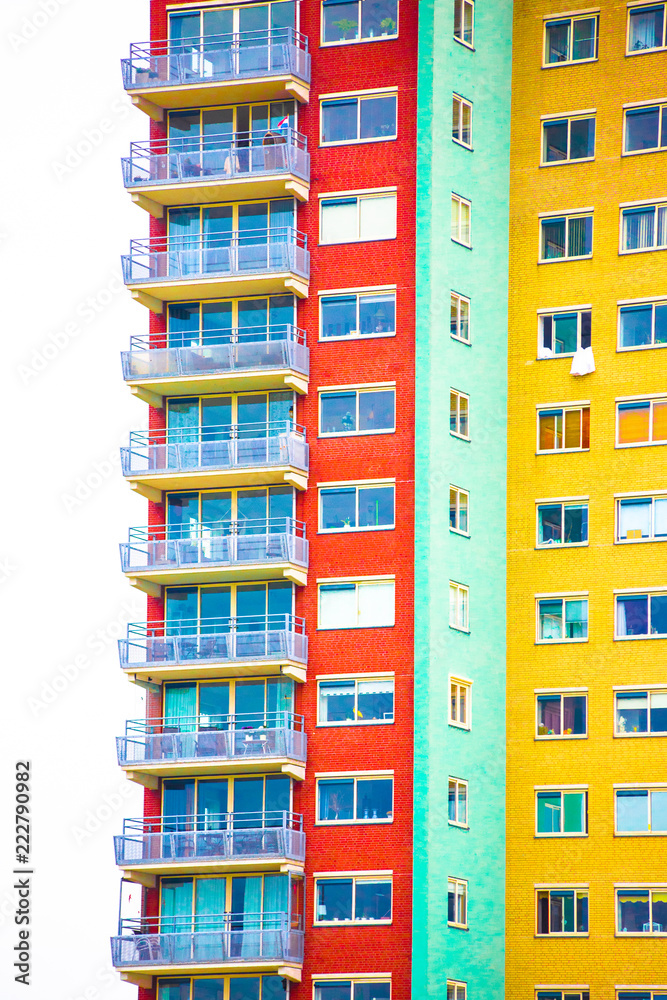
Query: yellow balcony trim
point(194, 671)
point(151, 581)
point(153, 390)
point(155, 293)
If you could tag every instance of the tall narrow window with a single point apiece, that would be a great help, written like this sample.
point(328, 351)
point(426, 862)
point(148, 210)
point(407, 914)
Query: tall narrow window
point(458, 802)
point(457, 902)
point(462, 121)
point(458, 606)
point(459, 412)
point(458, 509)
point(464, 21)
point(459, 703)
point(461, 218)
point(460, 317)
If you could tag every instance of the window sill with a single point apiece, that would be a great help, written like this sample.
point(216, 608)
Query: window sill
point(463, 145)
point(466, 45)
point(348, 628)
point(568, 163)
point(356, 531)
point(352, 434)
point(566, 736)
point(457, 628)
point(354, 242)
point(553, 357)
point(637, 541)
point(358, 41)
point(351, 923)
point(633, 736)
point(358, 142)
point(461, 437)
point(640, 444)
point(459, 927)
point(463, 534)
point(462, 340)
point(352, 723)
point(640, 347)
point(353, 822)
point(563, 260)
point(626, 253)
point(634, 638)
point(459, 826)
point(561, 545)
point(640, 833)
point(557, 836)
point(562, 451)
point(363, 336)
point(458, 725)
point(640, 934)
point(646, 52)
point(559, 642)
point(569, 62)
point(641, 152)
point(466, 246)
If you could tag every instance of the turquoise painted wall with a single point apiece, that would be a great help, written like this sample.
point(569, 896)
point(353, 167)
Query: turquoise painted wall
point(483, 76)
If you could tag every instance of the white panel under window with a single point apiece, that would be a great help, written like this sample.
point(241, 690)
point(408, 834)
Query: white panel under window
point(376, 604)
point(339, 221)
point(338, 606)
point(377, 218)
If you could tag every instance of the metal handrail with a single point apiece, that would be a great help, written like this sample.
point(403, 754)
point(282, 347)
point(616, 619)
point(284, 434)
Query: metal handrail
point(197, 530)
point(211, 626)
point(217, 141)
point(158, 47)
point(214, 432)
point(192, 822)
point(234, 238)
point(264, 920)
point(270, 333)
point(247, 721)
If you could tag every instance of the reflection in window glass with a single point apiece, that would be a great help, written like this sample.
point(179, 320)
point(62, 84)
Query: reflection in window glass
point(357, 20)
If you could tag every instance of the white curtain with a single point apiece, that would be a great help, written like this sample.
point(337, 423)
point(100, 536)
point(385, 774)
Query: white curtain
point(377, 217)
point(376, 604)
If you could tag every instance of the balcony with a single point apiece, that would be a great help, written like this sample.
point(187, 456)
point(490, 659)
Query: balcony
point(238, 68)
point(273, 357)
point(232, 167)
point(227, 842)
point(246, 262)
point(175, 747)
point(227, 942)
point(233, 647)
point(263, 549)
point(216, 457)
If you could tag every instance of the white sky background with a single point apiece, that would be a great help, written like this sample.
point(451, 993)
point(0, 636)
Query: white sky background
point(61, 591)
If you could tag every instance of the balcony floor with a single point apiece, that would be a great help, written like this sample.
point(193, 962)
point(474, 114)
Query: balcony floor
point(148, 579)
point(200, 866)
point(261, 764)
point(199, 93)
point(141, 974)
point(192, 670)
point(153, 389)
point(154, 294)
point(152, 484)
point(155, 197)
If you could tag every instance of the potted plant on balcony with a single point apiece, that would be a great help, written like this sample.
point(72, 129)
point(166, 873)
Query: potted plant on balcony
point(346, 26)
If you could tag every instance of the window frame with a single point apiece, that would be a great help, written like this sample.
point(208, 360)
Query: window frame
point(564, 408)
point(352, 980)
point(658, 48)
point(355, 777)
point(459, 396)
point(461, 40)
point(458, 783)
point(358, 96)
point(361, 582)
point(586, 16)
point(460, 299)
point(459, 491)
point(461, 684)
point(552, 314)
point(569, 118)
point(369, 485)
point(460, 894)
point(567, 218)
point(643, 206)
point(356, 678)
point(459, 200)
point(648, 594)
point(653, 303)
point(358, 390)
point(564, 599)
point(459, 989)
point(575, 889)
point(650, 789)
point(580, 693)
point(626, 403)
point(359, 293)
point(561, 791)
point(462, 102)
point(634, 541)
point(650, 889)
point(563, 504)
point(648, 690)
point(462, 591)
point(574, 993)
point(354, 877)
point(661, 107)
point(359, 196)
point(359, 41)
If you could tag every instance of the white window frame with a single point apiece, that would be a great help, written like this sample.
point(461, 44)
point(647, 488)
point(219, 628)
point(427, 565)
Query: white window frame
point(650, 788)
point(569, 118)
point(358, 390)
point(582, 888)
point(645, 106)
point(355, 878)
point(355, 679)
point(460, 888)
point(658, 48)
point(358, 583)
point(552, 314)
point(461, 684)
point(637, 541)
point(570, 693)
point(563, 407)
point(563, 504)
point(648, 594)
point(640, 302)
point(359, 196)
point(359, 41)
point(462, 103)
point(564, 599)
point(576, 992)
point(459, 783)
point(462, 595)
point(648, 690)
point(459, 201)
point(459, 989)
point(355, 776)
point(584, 16)
point(660, 203)
point(369, 485)
point(459, 396)
point(460, 492)
point(355, 979)
point(642, 887)
point(359, 96)
point(567, 216)
point(360, 293)
point(463, 5)
point(457, 301)
point(650, 443)
point(562, 790)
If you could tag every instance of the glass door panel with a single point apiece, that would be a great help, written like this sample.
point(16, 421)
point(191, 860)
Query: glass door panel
point(184, 236)
point(214, 706)
point(252, 320)
point(216, 507)
point(182, 420)
point(249, 704)
point(248, 798)
point(211, 804)
point(216, 414)
point(217, 133)
point(252, 411)
point(181, 611)
point(216, 322)
point(178, 802)
point(216, 608)
point(183, 325)
point(251, 603)
point(182, 515)
point(251, 505)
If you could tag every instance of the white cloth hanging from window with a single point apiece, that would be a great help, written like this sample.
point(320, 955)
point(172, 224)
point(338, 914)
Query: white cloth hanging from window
point(582, 362)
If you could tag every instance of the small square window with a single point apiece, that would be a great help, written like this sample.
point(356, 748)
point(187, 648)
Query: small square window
point(641, 519)
point(570, 39)
point(566, 237)
point(347, 21)
point(641, 810)
point(358, 119)
point(357, 508)
point(464, 21)
point(355, 701)
point(358, 314)
point(458, 606)
point(563, 333)
point(562, 813)
point(461, 220)
point(462, 121)
point(641, 911)
point(561, 715)
point(358, 411)
point(360, 799)
point(356, 605)
point(644, 228)
point(642, 325)
point(460, 694)
point(459, 414)
point(459, 501)
point(563, 429)
point(457, 902)
point(460, 317)
point(352, 900)
point(458, 802)
point(568, 140)
point(562, 619)
point(562, 911)
point(562, 524)
point(646, 28)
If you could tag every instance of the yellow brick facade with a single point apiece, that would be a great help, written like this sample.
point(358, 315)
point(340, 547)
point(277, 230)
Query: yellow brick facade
point(601, 961)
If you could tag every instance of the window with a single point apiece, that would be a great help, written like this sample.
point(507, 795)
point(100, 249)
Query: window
point(644, 228)
point(642, 518)
point(458, 509)
point(639, 994)
point(562, 911)
point(357, 411)
point(460, 696)
point(561, 715)
point(358, 218)
point(641, 615)
point(643, 325)
point(460, 317)
point(562, 619)
point(641, 911)
point(351, 989)
point(643, 421)
point(566, 994)
point(352, 800)
point(357, 508)
point(356, 605)
point(461, 121)
point(358, 314)
point(641, 810)
point(565, 237)
point(461, 213)
point(458, 606)
point(562, 524)
point(352, 900)
point(565, 140)
point(459, 410)
point(645, 129)
point(358, 119)
point(458, 802)
point(562, 814)
point(456, 990)
point(205, 988)
point(356, 21)
point(355, 701)
point(457, 902)
point(464, 20)
point(564, 333)
point(563, 429)
point(641, 713)
point(571, 39)
point(646, 28)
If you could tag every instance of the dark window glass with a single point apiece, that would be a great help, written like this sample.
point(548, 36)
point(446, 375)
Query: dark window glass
point(374, 798)
point(339, 121)
point(641, 128)
point(334, 899)
point(339, 315)
point(555, 141)
point(376, 410)
point(582, 138)
point(379, 18)
point(584, 44)
point(632, 712)
point(646, 32)
point(378, 117)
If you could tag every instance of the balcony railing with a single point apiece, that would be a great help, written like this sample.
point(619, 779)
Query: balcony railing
point(214, 640)
point(207, 939)
point(237, 254)
point(223, 737)
point(239, 155)
point(219, 352)
point(218, 543)
point(223, 58)
point(224, 447)
point(224, 837)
